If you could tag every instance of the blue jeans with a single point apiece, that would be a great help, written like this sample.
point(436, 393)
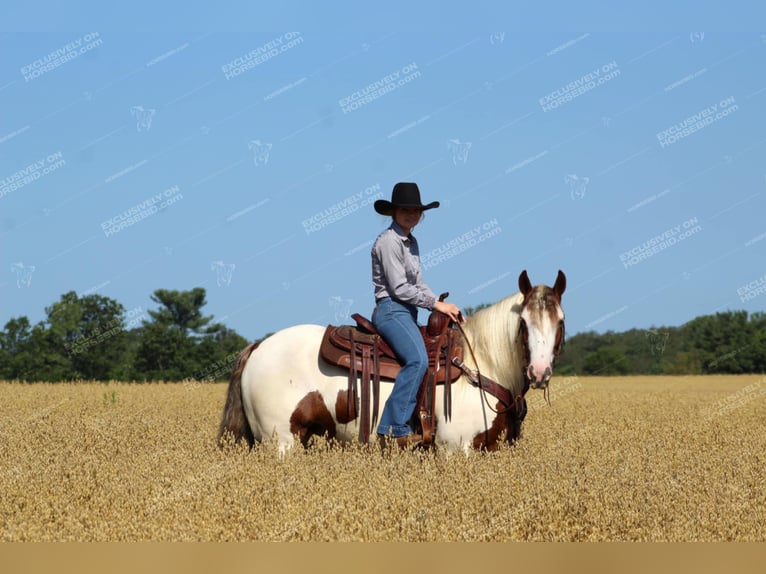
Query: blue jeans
point(398, 324)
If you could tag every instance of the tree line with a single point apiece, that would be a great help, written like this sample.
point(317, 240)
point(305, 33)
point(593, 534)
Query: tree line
point(730, 342)
point(95, 338)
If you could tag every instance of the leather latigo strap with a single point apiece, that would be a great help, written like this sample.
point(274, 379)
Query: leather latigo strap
point(364, 417)
point(427, 425)
point(352, 391)
point(448, 377)
point(500, 393)
point(375, 382)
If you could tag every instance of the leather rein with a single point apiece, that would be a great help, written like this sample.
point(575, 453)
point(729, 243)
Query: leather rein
point(487, 385)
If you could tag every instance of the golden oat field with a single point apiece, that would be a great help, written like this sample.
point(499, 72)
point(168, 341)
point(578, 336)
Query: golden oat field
point(631, 458)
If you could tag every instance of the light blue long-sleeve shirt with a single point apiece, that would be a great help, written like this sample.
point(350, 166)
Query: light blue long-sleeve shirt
point(396, 269)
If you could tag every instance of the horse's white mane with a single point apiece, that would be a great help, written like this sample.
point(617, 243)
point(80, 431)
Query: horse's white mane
point(492, 333)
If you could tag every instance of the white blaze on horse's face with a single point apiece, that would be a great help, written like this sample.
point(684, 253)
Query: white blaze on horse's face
point(542, 327)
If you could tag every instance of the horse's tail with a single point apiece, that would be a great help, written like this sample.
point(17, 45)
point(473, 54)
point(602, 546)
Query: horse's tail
point(234, 422)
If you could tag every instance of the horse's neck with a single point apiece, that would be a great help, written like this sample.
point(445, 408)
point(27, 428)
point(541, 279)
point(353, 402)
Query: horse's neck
point(492, 335)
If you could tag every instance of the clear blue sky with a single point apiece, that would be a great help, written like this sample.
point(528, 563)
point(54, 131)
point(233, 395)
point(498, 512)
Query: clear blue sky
point(239, 149)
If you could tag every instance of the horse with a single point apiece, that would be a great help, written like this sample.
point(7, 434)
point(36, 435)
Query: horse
point(281, 388)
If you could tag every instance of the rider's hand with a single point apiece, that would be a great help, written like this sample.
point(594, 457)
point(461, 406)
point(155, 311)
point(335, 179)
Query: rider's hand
point(449, 309)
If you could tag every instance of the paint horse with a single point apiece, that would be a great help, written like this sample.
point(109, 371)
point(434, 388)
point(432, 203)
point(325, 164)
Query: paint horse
point(282, 388)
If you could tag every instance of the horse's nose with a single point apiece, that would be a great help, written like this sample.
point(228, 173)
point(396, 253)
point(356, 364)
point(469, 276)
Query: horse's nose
point(539, 383)
point(546, 378)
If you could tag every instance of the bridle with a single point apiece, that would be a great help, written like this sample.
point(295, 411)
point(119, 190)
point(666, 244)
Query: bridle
point(523, 336)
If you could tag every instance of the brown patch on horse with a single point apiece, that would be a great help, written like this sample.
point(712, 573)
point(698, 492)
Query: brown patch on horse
point(311, 417)
point(508, 422)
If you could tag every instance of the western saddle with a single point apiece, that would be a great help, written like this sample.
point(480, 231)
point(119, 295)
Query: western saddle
point(368, 358)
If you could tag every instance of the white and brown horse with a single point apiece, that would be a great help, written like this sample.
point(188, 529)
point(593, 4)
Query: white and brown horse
point(281, 387)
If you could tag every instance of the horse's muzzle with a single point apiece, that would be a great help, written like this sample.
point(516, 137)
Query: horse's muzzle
point(541, 382)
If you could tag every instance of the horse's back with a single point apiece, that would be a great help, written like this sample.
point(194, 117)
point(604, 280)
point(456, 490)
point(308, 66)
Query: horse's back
point(292, 341)
point(286, 358)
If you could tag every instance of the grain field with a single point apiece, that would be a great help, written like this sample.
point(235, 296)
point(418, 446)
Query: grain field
point(633, 458)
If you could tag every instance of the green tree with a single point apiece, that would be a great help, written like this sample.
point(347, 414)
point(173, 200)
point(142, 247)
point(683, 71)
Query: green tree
point(32, 353)
point(49, 360)
point(89, 332)
point(81, 338)
point(216, 354)
point(164, 353)
point(15, 349)
point(722, 341)
point(182, 310)
point(180, 342)
point(576, 348)
point(606, 361)
point(757, 348)
point(685, 363)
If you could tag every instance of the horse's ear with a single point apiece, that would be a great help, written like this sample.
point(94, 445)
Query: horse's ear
point(561, 284)
point(525, 286)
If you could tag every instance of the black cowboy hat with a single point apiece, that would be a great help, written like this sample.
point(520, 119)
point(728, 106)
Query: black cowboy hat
point(403, 195)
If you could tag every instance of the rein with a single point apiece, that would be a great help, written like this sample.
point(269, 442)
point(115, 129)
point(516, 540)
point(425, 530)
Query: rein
point(482, 382)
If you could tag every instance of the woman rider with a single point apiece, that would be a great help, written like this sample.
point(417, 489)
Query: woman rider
point(399, 291)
